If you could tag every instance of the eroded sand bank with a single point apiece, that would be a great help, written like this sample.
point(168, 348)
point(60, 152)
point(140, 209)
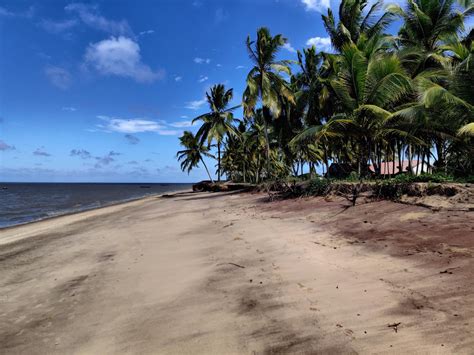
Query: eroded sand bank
point(231, 274)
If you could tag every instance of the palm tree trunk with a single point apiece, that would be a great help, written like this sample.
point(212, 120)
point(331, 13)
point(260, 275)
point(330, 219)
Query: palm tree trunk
point(218, 161)
point(207, 170)
point(267, 116)
point(410, 167)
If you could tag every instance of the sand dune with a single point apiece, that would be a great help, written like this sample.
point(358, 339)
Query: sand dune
point(232, 274)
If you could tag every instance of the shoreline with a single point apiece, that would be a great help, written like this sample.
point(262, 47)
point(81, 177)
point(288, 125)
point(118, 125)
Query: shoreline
point(69, 212)
point(233, 273)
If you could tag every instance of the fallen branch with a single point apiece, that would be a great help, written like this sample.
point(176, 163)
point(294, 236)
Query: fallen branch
point(234, 264)
point(394, 326)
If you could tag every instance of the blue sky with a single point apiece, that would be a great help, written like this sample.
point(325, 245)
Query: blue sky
point(100, 91)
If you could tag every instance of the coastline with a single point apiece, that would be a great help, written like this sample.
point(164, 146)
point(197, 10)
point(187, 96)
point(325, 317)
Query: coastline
point(231, 273)
point(87, 209)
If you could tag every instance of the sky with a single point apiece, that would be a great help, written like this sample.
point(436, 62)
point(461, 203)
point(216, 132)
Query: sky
point(100, 91)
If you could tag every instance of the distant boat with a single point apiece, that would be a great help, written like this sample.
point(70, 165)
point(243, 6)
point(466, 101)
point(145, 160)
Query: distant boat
point(4, 188)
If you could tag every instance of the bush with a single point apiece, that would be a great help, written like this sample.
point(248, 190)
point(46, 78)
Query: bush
point(437, 178)
point(318, 187)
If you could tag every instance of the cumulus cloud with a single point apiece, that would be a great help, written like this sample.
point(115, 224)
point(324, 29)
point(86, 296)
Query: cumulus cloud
point(203, 78)
point(196, 104)
point(132, 139)
point(135, 125)
point(41, 152)
point(58, 76)
point(316, 5)
point(4, 146)
point(121, 57)
point(178, 78)
point(90, 16)
point(289, 47)
point(81, 153)
point(321, 43)
point(69, 108)
point(202, 60)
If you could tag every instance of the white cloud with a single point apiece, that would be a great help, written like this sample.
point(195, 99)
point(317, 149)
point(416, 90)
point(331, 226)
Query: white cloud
point(202, 60)
point(59, 77)
point(26, 14)
point(147, 32)
point(218, 65)
point(289, 47)
point(69, 108)
point(321, 43)
point(316, 5)
point(178, 78)
point(240, 67)
point(168, 132)
point(58, 26)
point(134, 125)
point(181, 124)
point(121, 57)
point(195, 105)
point(89, 15)
point(203, 78)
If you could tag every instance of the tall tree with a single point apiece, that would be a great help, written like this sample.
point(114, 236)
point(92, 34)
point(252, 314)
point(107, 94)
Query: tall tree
point(264, 81)
point(355, 22)
point(217, 123)
point(193, 153)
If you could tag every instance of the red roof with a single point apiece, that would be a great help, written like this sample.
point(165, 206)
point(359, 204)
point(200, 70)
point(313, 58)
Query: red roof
point(387, 167)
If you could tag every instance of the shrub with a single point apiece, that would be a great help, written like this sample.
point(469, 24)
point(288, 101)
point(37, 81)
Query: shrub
point(318, 187)
point(437, 178)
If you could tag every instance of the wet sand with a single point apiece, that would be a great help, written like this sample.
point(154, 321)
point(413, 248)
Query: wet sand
point(234, 274)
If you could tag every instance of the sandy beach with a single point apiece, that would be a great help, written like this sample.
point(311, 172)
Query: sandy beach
point(228, 273)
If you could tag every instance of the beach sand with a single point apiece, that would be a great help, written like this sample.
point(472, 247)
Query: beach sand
point(233, 274)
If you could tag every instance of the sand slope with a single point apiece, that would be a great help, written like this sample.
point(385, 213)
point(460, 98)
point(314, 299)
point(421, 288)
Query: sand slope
point(231, 274)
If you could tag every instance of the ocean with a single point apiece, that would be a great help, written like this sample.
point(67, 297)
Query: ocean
point(27, 202)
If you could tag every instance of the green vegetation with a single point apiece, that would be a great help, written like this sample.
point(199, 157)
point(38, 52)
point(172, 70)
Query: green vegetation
point(376, 98)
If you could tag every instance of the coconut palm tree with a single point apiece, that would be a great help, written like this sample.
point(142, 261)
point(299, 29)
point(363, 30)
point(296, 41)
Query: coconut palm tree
point(426, 23)
point(217, 123)
point(355, 22)
point(264, 81)
point(193, 153)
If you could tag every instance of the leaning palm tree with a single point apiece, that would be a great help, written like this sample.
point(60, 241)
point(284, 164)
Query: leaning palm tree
point(264, 81)
point(218, 122)
point(193, 153)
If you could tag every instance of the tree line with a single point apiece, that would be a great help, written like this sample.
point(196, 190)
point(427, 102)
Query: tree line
point(374, 98)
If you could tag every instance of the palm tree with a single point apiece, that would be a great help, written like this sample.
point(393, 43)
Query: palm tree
point(193, 153)
point(354, 22)
point(264, 81)
point(218, 122)
point(426, 24)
